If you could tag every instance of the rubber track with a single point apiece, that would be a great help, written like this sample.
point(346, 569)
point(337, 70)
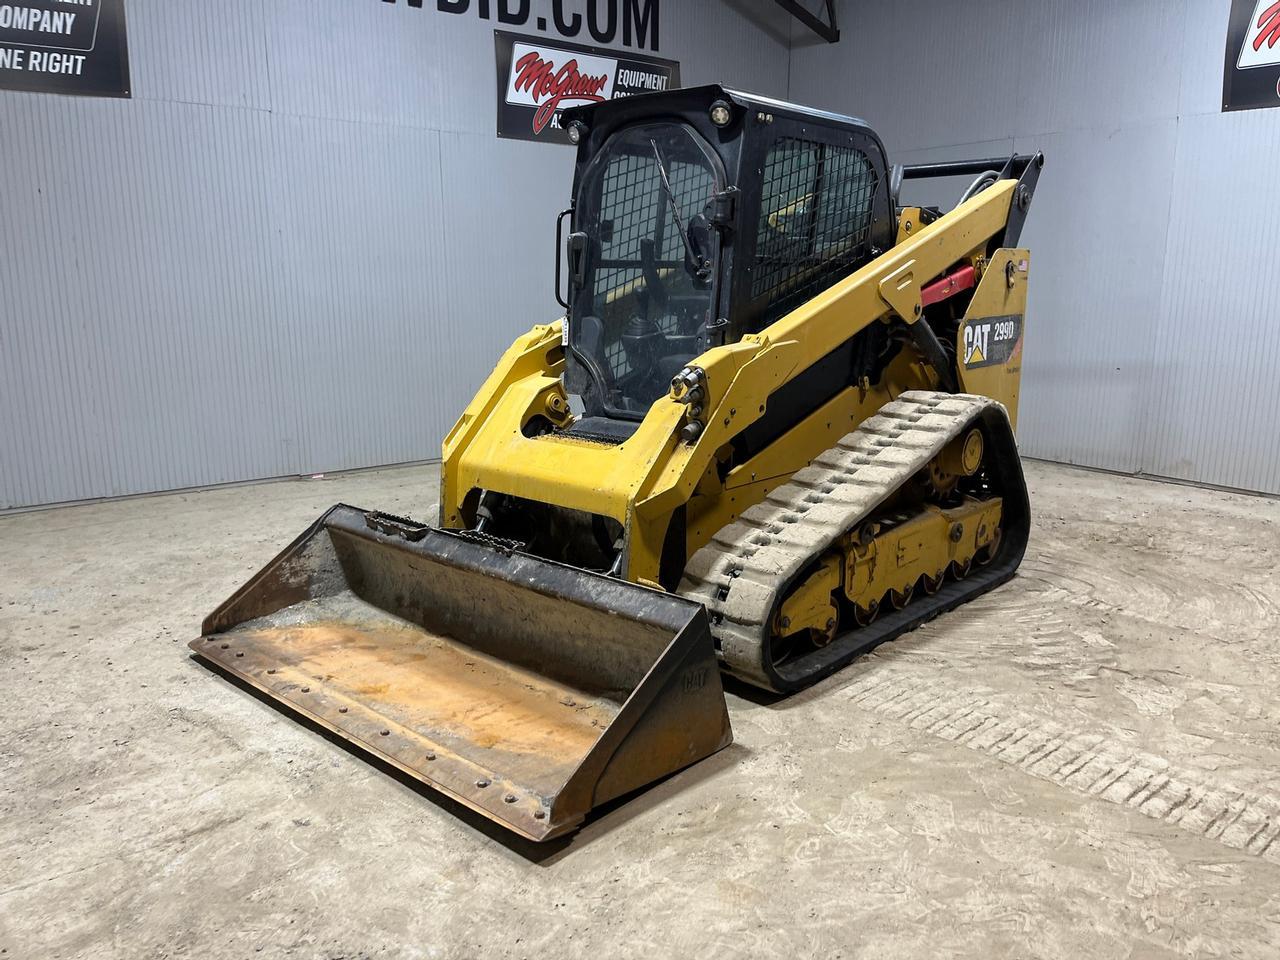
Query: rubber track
point(742, 572)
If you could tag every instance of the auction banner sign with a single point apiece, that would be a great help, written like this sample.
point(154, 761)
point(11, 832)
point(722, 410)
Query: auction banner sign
point(75, 47)
point(1251, 75)
point(538, 78)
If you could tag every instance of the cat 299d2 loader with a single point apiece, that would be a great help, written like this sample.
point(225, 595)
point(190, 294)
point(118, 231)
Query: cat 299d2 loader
point(773, 429)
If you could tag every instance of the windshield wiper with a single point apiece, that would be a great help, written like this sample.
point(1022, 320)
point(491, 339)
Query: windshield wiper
point(701, 264)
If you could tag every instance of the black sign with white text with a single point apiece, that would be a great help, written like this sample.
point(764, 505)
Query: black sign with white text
point(537, 79)
point(1251, 74)
point(75, 47)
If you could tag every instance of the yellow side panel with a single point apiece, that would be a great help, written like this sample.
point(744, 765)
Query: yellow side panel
point(720, 502)
point(989, 341)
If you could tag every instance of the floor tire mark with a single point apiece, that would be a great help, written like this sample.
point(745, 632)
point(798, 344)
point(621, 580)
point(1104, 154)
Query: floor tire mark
point(1086, 763)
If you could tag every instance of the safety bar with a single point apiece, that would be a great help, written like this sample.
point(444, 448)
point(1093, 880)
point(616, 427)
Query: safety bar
point(961, 168)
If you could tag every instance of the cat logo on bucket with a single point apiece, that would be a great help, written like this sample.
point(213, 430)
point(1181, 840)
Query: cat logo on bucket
point(991, 340)
point(695, 679)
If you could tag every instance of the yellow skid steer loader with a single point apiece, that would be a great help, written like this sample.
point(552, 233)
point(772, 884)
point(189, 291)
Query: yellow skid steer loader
point(773, 429)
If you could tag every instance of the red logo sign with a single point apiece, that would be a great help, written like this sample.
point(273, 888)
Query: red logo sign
point(1268, 24)
point(1261, 47)
point(548, 86)
point(539, 79)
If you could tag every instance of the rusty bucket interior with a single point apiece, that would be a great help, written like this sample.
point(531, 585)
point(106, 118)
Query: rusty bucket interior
point(527, 690)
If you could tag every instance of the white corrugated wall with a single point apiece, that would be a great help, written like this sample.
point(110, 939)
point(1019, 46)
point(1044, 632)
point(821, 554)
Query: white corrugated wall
point(299, 248)
point(1153, 331)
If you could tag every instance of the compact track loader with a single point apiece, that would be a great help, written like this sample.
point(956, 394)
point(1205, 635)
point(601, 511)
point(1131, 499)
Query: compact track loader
point(773, 429)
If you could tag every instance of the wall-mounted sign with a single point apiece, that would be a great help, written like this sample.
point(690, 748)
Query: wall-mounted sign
point(64, 46)
point(537, 79)
point(1251, 76)
point(633, 23)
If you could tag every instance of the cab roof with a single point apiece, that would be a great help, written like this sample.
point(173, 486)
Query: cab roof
point(641, 106)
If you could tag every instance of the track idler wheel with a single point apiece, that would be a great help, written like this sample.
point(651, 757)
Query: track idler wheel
point(863, 616)
point(990, 551)
point(821, 638)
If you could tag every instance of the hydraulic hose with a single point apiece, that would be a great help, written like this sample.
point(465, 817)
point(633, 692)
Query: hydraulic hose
point(985, 179)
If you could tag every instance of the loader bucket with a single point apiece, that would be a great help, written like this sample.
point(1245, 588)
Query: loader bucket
point(529, 691)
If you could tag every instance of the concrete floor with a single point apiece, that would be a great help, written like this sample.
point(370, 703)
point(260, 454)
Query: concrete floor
point(1085, 763)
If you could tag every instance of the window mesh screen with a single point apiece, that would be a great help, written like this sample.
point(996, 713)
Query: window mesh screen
point(635, 208)
point(627, 205)
point(815, 218)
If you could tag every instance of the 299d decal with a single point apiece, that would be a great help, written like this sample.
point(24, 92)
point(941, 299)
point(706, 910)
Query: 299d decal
point(989, 341)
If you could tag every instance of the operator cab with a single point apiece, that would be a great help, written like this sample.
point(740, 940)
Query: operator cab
point(647, 296)
point(701, 215)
